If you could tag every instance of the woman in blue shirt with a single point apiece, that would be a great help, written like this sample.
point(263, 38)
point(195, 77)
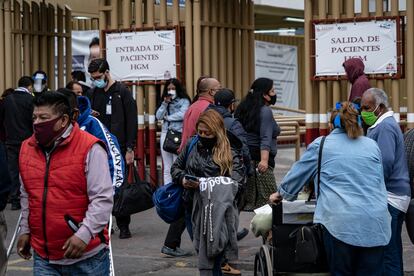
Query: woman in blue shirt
point(352, 201)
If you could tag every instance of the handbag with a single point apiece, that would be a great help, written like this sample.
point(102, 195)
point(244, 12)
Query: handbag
point(134, 195)
point(168, 199)
point(172, 141)
point(309, 238)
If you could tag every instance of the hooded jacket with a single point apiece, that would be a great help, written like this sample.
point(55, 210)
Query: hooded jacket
point(199, 162)
point(92, 125)
point(354, 69)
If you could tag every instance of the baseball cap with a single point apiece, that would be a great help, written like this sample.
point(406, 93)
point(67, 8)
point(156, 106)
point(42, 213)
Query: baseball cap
point(224, 97)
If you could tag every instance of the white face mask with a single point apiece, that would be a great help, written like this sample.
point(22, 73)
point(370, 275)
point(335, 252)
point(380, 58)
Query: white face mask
point(38, 87)
point(172, 93)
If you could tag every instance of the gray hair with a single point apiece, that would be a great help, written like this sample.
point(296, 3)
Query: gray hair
point(379, 95)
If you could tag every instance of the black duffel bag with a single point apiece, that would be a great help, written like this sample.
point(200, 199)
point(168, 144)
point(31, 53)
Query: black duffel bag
point(134, 195)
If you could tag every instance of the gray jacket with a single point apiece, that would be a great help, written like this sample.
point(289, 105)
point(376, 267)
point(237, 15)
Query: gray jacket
point(215, 220)
point(173, 114)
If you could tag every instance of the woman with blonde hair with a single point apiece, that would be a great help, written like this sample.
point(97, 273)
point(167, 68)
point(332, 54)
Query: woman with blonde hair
point(208, 157)
point(351, 195)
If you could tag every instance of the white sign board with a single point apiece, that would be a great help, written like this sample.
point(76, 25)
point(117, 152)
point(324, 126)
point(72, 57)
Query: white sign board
point(375, 42)
point(136, 56)
point(279, 62)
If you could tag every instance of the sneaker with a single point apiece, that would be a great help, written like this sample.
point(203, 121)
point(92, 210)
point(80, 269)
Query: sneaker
point(242, 233)
point(124, 233)
point(178, 252)
point(227, 269)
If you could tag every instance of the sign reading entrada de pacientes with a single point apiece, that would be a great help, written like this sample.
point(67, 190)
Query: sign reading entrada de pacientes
point(373, 41)
point(141, 55)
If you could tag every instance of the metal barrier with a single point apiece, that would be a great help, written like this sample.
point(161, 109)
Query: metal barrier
point(290, 131)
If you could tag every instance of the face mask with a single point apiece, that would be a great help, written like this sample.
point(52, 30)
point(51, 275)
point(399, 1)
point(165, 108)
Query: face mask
point(172, 93)
point(369, 117)
point(101, 83)
point(272, 100)
point(208, 143)
point(45, 133)
point(38, 87)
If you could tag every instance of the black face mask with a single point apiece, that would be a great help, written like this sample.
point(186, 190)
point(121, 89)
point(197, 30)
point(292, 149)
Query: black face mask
point(272, 99)
point(208, 143)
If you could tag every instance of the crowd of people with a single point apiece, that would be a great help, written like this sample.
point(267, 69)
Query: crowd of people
point(91, 129)
point(47, 135)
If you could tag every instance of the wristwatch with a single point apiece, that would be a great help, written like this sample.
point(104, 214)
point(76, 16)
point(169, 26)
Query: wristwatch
point(129, 149)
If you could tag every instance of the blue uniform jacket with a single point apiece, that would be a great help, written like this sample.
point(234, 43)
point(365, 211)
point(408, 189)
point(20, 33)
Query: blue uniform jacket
point(92, 125)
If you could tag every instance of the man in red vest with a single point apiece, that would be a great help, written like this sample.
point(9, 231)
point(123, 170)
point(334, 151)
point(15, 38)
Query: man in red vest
point(66, 194)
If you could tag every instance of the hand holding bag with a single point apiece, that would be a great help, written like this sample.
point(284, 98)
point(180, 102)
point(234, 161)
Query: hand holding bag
point(134, 195)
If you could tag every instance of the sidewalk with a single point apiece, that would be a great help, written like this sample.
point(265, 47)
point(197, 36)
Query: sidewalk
point(141, 255)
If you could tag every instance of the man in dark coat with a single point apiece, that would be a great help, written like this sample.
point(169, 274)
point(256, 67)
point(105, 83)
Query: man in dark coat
point(354, 69)
point(16, 118)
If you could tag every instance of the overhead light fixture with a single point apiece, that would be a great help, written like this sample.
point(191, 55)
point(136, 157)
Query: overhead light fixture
point(81, 17)
point(275, 31)
point(294, 19)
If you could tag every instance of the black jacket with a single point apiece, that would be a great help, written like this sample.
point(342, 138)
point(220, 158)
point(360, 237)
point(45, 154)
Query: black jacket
point(122, 122)
point(235, 127)
point(16, 112)
point(200, 163)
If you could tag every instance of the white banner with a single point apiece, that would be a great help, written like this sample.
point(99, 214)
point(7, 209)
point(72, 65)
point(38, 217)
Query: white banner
point(279, 62)
point(148, 55)
point(375, 42)
point(80, 49)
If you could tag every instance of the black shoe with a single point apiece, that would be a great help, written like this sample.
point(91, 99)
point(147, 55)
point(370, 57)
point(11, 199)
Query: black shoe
point(242, 233)
point(124, 233)
point(16, 206)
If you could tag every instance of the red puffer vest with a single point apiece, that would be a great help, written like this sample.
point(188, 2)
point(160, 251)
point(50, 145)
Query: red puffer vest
point(55, 188)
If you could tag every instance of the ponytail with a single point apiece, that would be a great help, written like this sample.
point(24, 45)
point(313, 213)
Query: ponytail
point(349, 119)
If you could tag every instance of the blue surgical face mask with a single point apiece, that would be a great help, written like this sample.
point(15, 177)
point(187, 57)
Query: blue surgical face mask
point(101, 83)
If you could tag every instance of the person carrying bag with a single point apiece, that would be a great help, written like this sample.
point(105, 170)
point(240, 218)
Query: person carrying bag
point(352, 198)
point(134, 196)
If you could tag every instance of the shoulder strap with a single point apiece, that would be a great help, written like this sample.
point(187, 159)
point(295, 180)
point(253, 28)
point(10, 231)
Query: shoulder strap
point(319, 164)
point(194, 141)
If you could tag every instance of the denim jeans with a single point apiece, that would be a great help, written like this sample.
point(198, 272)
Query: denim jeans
point(97, 265)
point(346, 260)
point(393, 260)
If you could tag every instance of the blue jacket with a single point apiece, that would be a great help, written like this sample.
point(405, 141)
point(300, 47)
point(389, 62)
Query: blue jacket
point(173, 114)
point(387, 133)
point(92, 125)
point(352, 202)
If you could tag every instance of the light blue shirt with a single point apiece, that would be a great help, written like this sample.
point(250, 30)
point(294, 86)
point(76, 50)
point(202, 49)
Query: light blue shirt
point(172, 114)
point(352, 203)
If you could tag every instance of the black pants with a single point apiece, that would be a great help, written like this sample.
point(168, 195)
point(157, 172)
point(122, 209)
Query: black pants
point(173, 238)
point(123, 221)
point(346, 259)
point(13, 166)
